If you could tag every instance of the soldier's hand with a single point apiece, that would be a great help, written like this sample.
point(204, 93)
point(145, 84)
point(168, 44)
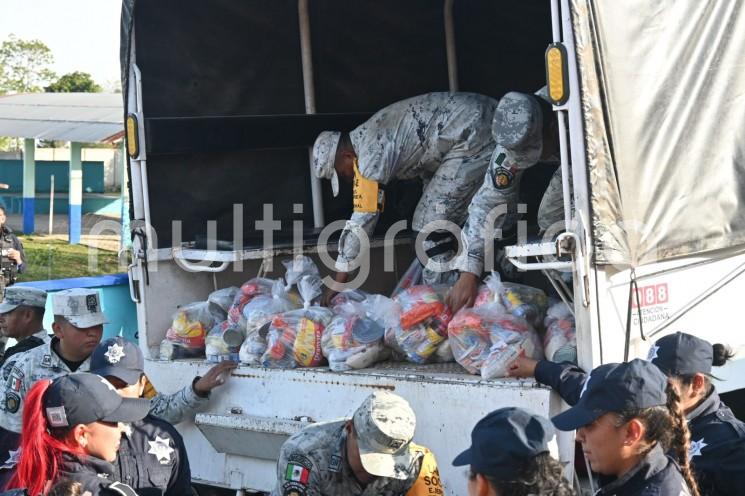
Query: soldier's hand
point(216, 376)
point(464, 292)
point(15, 255)
point(522, 367)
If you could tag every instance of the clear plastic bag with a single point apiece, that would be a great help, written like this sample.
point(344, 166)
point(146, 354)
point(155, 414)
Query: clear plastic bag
point(223, 342)
point(247, 292)
point(354, 337)
point(299, 267)
point(412, 277)
point(221, 300)
point(294, 337)
point(486, 339)
point(254, 346)
point(422, 325)
point(350, 295)
point(560, 340)
point(188, 329)
point(522, 301)
point(262, 308)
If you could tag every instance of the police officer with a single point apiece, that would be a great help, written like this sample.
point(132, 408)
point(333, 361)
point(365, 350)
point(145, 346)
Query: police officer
point(22, 318)
point(372, 455)
point(11, 243)
point(628, 418)
point(525, 133)
point(152, 457)
point(442, 138)
point(717, 449)
point(509, 455)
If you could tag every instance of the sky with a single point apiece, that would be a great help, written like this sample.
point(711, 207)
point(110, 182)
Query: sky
point(82, 34)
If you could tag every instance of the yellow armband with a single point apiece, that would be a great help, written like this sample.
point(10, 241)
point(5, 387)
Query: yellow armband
point(428, 483)
point(368, 197)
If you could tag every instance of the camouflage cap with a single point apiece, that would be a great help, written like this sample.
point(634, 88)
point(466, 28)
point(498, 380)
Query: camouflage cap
point(385, 425)
point(518, 121)
point(81, 307)
point(16, 296)
point(324, 156)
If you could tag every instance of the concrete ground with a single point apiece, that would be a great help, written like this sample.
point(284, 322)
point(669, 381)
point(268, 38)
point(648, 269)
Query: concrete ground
point(106, 230)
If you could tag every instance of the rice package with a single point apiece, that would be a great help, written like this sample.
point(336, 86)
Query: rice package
point(422, 325)
point(354, 337)
point(294, 337)
point(560, 340)
point(486, 339)
point(522, 301)
point(185, 338)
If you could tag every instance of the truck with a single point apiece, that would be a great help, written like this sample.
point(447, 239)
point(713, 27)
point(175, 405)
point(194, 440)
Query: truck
point(224, 98)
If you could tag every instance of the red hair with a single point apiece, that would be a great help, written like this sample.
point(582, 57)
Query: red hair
point(41, 446)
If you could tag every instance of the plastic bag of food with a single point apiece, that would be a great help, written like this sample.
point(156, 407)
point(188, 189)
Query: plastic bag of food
point(254, 346)
point(522, 301)
point(560, 340)
point(299, 267)
point(223, 342)
point(412, 277)
point(294, 337)
point(247, 292)
point(221, 300)
point(350, 295)
point(354, 337)
point(188, 329)
point(486, 339)
point(262, 308)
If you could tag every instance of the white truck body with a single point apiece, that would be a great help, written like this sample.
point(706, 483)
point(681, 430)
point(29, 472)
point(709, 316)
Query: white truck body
point(234, 443)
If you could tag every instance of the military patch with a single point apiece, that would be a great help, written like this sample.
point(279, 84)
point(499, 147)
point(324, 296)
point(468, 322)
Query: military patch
point(298, 469)
point(502, 177)
point(46, 361)
point(7, 369)
point(12, 402)
point(290, 489)
point(335, 463)
point(92, 303)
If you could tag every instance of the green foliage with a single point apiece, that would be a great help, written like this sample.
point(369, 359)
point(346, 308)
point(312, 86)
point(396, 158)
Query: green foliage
point(74, 82)
point(49, 258)
point(24, 65)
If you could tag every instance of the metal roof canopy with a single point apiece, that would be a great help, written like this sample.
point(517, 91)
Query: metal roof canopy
point(77, 117)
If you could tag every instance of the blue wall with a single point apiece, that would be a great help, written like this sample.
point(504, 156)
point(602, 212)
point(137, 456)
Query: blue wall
point(11, 173)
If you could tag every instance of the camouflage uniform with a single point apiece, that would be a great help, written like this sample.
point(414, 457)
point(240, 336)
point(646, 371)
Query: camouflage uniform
point(313, 462)
point(518, 131)
point(551, 210)
point(442, 138)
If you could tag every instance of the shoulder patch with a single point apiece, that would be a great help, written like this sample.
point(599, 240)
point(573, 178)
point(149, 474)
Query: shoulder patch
point(46, 361)
point(12, 402)
point(293, 489)
point(7, 368)
point(502, 177)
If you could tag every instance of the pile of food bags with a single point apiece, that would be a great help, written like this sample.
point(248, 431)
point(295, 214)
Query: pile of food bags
point(185, 338)
point(560, 339)
point(294, 337)
point(522, 301)
point(422, 325)
point(354, 337)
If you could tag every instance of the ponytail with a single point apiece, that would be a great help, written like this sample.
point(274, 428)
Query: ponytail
point(41, 446)
point(722, 354)
point(681, 438)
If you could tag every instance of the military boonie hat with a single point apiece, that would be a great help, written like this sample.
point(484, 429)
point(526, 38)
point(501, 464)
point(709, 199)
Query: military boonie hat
point(16, 296)
point(502, 441)
point(518, 121)
point(119, 358)
point(81, 307)
point(83, 398)
point(324, 156)
point(385, 425)
point(615, 387)
point(682, 354)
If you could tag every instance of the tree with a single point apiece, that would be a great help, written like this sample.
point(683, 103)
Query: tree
point(24, 65)
point(74, 82)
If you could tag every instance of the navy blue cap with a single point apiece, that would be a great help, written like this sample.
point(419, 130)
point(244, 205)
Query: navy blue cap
point(682, 354)
point(504, 439)
point(615, 387)
point(119, 358)
point(84, 398)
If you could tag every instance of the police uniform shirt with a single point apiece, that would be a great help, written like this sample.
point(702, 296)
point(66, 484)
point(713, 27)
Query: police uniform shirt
point(95, 475)
point(15, 243)
point(656, 475)
point(418, 138)
point(313, 463)
point(152, 459)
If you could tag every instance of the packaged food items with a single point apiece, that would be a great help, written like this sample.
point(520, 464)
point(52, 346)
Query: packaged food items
point(522, 301)
point(247, 292)
point(188, 329)
point(422, 325)
point(350, 295)
point(263, 307)
point(223, 342)
point(560, 340)
point(299, 267)
point(221, 300)
point(486, 339)
point(254, 346)
point(354, 337)
point(294, 337)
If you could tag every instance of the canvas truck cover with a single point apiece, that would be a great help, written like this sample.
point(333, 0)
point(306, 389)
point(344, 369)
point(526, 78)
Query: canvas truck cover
point(663, 98)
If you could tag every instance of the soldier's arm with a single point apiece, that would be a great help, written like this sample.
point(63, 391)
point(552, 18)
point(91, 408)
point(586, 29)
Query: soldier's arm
point(297, 474)
point(179, 406)
point(565, 378)
point(16, 376)
point(349, 241)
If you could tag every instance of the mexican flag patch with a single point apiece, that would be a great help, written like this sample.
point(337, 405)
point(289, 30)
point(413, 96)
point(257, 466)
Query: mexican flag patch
point(297, 473)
